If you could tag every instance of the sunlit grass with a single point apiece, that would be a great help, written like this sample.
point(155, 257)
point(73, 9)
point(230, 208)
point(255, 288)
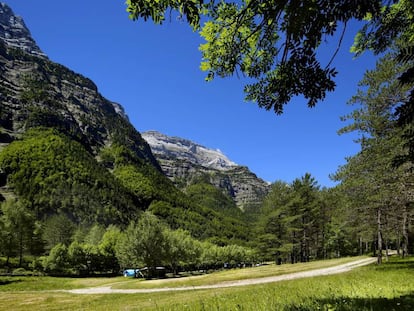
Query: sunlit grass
point(28, 283)
point(42, 283)
point(387, 287)
point(234, 274)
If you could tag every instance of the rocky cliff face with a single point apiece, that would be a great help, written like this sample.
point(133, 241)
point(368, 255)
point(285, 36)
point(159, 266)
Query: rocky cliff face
point(89, 183)
point(185, 162)
point(183, 149)
point(15, 34)
point(37, 92)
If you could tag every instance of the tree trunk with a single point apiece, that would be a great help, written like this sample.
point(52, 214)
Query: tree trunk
point(293, 253)
point(398, 243)
point(323, 244)
point(303, 248)
point(379, 258)
point(405, 232)
point(9, 243)
point(21, 248)
point(386, 249)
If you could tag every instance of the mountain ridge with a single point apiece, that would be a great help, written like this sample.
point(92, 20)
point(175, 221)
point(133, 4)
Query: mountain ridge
point(67, 150)
point(186, 162)
point(14, 33)
point(182, 148)
point(36, 91)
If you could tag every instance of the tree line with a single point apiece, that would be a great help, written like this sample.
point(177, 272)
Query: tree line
point(60, 247)
point(371, 209)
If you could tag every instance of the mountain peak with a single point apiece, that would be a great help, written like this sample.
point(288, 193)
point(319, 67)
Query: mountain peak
point(184, 162)
point(184, 149)
point(15, 34)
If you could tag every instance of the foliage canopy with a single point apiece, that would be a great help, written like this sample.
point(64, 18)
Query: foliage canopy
point(272, 42)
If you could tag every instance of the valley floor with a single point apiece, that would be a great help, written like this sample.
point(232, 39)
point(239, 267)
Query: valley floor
point(304, 274)
point(345, 284)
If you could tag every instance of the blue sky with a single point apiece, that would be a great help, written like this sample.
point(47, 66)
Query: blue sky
point(153, 72)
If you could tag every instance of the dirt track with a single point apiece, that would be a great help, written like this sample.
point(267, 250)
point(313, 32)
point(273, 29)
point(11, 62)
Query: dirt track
point(305, 274)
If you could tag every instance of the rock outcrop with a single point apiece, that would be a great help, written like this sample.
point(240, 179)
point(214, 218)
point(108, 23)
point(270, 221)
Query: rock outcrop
point(37, 92)
point(186, 162)
point(184, 149)
point(15, 34)
point(64, 166)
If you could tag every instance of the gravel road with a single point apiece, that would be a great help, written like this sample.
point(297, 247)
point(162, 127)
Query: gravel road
point(305, 274)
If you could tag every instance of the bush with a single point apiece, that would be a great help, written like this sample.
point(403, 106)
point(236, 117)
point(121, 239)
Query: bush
point(37, 264)
point(57, 261)
point(21, 271)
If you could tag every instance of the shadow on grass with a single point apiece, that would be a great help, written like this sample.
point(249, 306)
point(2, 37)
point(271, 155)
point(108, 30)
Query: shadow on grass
point(397, 264)
point(9, 281)
point(403, 303)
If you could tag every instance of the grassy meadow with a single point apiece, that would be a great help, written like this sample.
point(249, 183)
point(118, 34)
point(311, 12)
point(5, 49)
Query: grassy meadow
point(386, 287)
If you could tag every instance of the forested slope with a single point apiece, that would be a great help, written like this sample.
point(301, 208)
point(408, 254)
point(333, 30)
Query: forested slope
point(66, 149)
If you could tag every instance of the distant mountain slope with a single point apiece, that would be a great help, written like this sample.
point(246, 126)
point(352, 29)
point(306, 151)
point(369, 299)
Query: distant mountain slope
point(14, 32)
point(37, 95)
point(65, 149)
point(186, 162)
point(37, 92)
point(183, 149)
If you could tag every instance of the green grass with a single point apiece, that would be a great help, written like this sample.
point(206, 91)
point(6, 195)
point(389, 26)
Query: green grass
point(28, 283)
point(386, 287)
point(233, 274)
point(42, 283)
